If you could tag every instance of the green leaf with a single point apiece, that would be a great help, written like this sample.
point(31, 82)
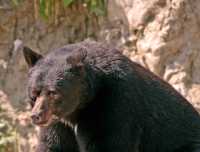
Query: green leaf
point(45, 8)
point(98, 11)
point(42, 8)
point(67, 2)
point(15, 2)
point(97, 7)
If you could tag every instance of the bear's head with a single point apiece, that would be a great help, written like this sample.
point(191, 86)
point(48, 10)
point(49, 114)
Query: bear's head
point(57, 84)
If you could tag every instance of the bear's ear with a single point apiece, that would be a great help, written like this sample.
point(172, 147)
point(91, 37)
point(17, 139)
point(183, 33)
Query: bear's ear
point(77, 58)
point(31, 57)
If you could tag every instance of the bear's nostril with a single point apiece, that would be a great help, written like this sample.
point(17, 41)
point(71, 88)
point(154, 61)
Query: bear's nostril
point(35, 118)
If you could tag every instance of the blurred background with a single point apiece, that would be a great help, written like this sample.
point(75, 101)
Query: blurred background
point(161, 35)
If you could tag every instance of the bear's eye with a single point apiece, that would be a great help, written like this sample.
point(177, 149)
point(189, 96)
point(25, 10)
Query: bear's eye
point(53, 94)
point(34, 94)
point(33, 98)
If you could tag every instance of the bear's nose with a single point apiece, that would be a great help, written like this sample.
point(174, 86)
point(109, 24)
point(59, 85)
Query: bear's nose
point(36, 118)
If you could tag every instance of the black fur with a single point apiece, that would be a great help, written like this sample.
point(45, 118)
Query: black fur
point(57, 137)
point(119, 106)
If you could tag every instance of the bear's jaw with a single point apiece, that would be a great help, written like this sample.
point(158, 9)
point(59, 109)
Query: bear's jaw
point(50, 121)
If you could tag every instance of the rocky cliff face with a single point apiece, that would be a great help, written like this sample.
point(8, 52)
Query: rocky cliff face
point(165, 39)
point(162, 35)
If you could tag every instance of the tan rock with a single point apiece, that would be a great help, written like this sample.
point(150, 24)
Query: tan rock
point(167, 38)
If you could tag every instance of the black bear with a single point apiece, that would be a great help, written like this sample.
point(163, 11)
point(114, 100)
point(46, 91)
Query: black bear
point(111, 103)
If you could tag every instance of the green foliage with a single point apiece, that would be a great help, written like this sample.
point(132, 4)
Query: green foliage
point(8, 136)
point(67, 2)
point(96, 7)
point(15, 2)
point(45, 8)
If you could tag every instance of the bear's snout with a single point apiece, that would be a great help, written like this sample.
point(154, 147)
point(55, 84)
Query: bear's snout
point(41, 113)
point(37, 118)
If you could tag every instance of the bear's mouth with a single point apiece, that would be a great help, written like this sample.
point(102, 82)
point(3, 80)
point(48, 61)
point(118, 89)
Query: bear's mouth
point(47, 122)
point(44, 118)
